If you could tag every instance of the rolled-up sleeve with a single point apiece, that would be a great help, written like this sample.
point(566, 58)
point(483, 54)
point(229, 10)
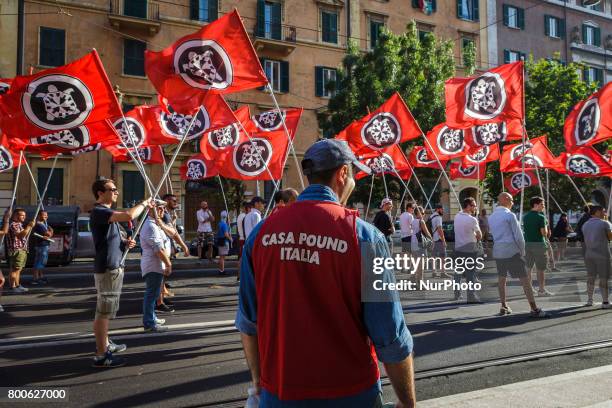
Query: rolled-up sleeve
point(246, 317)
point(384, 320)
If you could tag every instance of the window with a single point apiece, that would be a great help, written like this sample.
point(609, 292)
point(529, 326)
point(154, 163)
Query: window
point(329, 26)
point(591, 35)
point(135, 8)
point(514, 17)
point(204, 10)
point(513, 56)
point(465, 44)
point(467, 10)
point(278, 74)
point(427, 6)
point(554, 27)
point(325, 78)
point(133, 57)
point(269, 190)
point(423, 34)
point(133, 188)
point(52, 51)
point(55, 191)
point(376, 27)
point(596, 7)
point(591, 74)
point(269, 19)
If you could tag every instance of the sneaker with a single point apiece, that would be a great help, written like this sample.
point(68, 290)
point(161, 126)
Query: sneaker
point(35, 282)
point(168, 285)
point(17, 289)
point(589, 303)
point(22, 288)
point(115, 348)
point(160, 322)
point(168, 302)
point(503, 311)
point(555, 269)
point(545, 293)
point(108, 361)
point(222, 272)
point(43, 281)
point(1, 309)
point(163, 308)
point(538, 313)
point(606, 305)
point(155, 329)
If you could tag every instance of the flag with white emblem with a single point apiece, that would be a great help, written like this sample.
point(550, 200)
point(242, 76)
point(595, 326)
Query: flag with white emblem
point(590, 121)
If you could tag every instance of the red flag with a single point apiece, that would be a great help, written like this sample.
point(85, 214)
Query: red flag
point(9, 158)
point(494, 132)
point(514, 185)
point(220, 141)
point(484, 154)
point(148, 155)
point(590, 121)
point(59, 98)
point(198, 167)
point(583, 162)
point(389, 159)
point(219, 57)
point(5, 84)
point(458, 171)
point(419, 158)
point(390, 124)
point(536, 155)
point(446, 143)
point(248, 160)
point(69, 140)
point(495, 95)
point(270, 121)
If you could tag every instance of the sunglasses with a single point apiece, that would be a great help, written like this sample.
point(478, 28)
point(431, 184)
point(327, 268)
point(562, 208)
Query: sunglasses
point(114, 189)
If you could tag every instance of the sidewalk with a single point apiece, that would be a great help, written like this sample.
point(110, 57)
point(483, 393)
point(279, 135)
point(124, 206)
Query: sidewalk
point(132, 264)
point(587, 388)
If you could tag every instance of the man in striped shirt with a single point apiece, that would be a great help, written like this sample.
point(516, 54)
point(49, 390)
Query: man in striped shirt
point(17, 244)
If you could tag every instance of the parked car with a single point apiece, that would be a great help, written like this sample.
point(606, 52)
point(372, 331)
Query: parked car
point(193, 245)
point(85, 246)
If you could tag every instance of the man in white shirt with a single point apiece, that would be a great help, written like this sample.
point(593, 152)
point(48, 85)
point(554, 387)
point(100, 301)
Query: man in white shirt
point(439, 241)
point(254, 216)
point(246, 208)
point(205, 232)
point(467, 235)
point(405, 220)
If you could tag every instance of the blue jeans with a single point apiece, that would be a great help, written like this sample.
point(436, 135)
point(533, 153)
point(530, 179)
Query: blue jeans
point(41, 257)
point(153, 281)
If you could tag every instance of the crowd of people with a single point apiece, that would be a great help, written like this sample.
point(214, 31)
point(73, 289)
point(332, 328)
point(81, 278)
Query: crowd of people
point(300, 274)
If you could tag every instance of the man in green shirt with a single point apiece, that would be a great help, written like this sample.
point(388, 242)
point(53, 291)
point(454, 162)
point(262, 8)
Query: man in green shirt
point(536, 233)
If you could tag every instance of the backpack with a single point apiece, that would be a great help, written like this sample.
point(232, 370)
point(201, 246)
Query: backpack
point(429, 222)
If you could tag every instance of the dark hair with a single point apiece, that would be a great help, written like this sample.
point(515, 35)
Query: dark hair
point(467, 202)
point(535, 201)
point(100, 186)
point(166, 196)
point(325, 176)
point(288, 194)
point(18, 210)
point(246, 204)
point(563, 214)
point(587, 209)
point(409, 204)
point(595, 209)
point(278, 197)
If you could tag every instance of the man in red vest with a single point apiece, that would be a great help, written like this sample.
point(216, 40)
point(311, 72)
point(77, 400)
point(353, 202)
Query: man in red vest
point(311, 335)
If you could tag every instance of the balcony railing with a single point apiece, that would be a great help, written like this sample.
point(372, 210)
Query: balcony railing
point(276, 37)
point(135, 14)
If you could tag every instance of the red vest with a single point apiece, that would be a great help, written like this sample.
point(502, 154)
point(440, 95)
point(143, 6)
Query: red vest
point(312, 340)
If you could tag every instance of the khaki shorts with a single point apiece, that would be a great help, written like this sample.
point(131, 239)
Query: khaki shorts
point(108, 286)
point(17, 260)
point(536, 254)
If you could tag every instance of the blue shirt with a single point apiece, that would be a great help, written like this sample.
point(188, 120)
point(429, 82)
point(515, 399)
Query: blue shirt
point(107, 239)
point(384, 320)
point(508, 238)
point(222, 229)
point(41, 228)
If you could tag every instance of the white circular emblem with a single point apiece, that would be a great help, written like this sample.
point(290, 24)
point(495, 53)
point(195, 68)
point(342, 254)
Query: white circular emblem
point(67, 139)
point(489, 133)
point(203, 64)
point(581, 165)
point(176, 124)
point(134, 135)
point(6, 159)
point(224, 137)
point(450, 141)
point(485, 96)
point(252, 156)
point(423, 158)
point(382, 164)
point(381, 131)
point(516, 182)
point(269, 121)
point(55, 102)
point(587, 122)
point(196, 169)
point(480, 156)
point(4, 87)
point(467, 171)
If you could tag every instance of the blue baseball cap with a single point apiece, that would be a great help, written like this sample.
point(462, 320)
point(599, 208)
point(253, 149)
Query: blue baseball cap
point(329, 154)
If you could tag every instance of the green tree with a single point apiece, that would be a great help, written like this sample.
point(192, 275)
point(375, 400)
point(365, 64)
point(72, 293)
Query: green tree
point(551, 90)
point(414, 66)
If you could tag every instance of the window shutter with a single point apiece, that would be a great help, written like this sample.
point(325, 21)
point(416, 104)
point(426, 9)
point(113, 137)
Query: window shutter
point(284, 74)
point(434, 6)
point(213, 10)
point(506, 56)
point(261, 16)
point(276, 21)
point(415, 3)
point(476, 16)
point(506, 15)
point(547, 25)
point(459, 8)
point(521, 18)
point(597, 34)
point(584, 34)
point(585, 74)
point(561, 27)
point(599, 76)
point(333, 28)
point(318, 81)
point(325, 26)
point(194, 9)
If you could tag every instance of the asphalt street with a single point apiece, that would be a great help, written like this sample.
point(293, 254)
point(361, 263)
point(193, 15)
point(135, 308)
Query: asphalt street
point(45, 339)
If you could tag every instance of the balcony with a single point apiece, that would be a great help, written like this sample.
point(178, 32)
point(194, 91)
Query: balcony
point(135, 14)
point(275, 38)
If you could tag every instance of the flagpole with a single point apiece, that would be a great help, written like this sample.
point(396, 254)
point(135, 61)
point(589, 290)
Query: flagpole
point(169, 187)
point(369, 199)
point(523, 147)
point(223, 193)
point(609, 199)
point(433, 191)
point(297, 164)
point(418, 182)
point(42, 196)
point(33, 180)
point(269, 206)
point(577, 190)
point(385, 182)
point(547, 194)
point(450, 184)
point(159, 186)
point(478, 186)
point(10, 207)
point(501, 173)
